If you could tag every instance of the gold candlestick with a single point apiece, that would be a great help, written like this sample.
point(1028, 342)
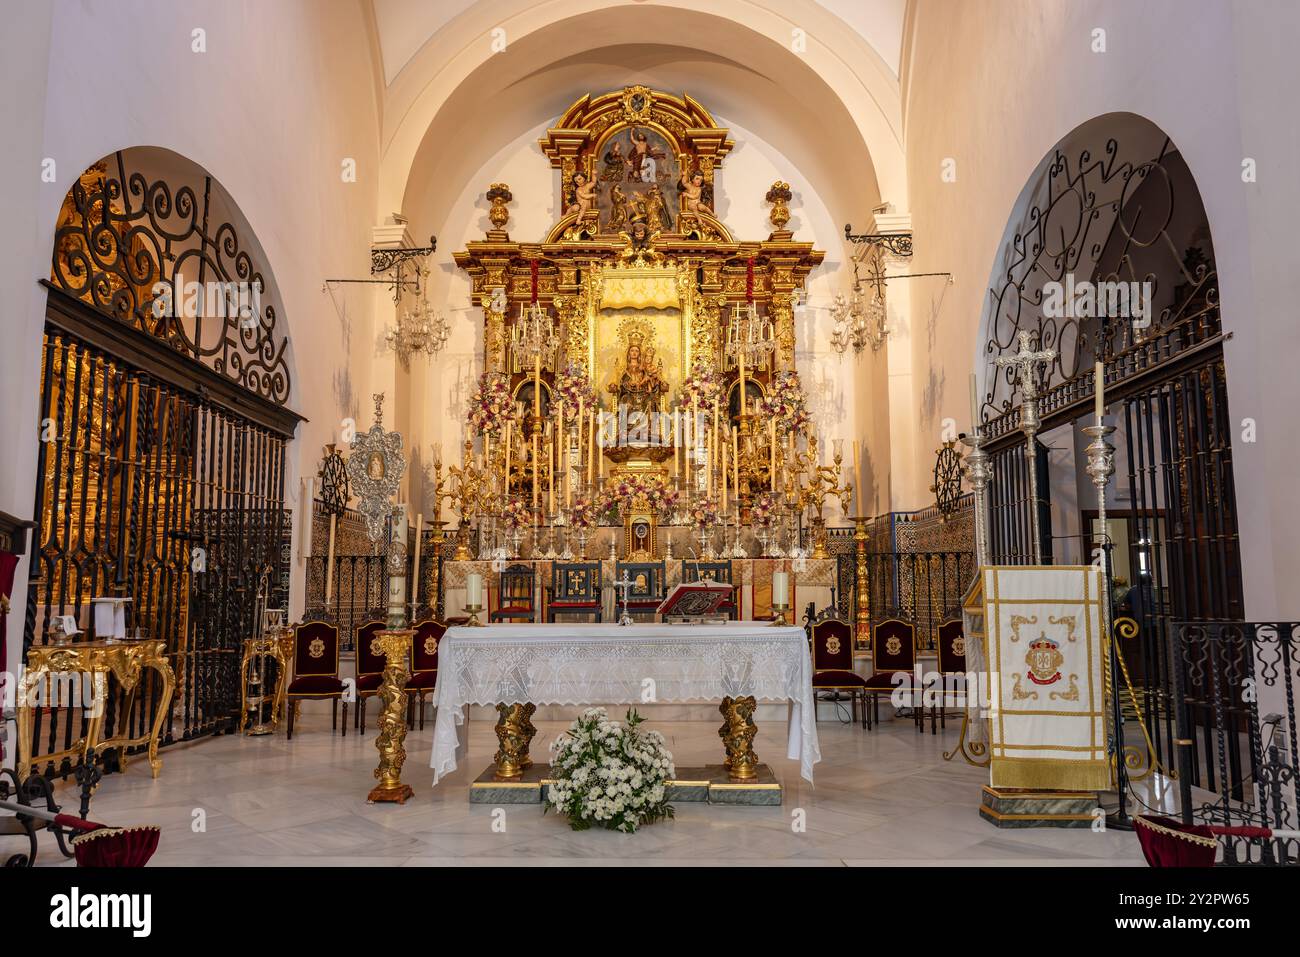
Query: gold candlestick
point(863, 586)
point(395, 645)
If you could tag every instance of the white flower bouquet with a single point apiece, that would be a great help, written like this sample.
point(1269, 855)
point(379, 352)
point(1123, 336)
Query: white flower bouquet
point(610, 774)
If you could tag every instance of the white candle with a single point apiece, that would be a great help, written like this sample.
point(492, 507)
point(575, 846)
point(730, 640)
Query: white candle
point(780, 588)
point(415, 587)
point(857, 481)
point(974, 404)
point(473, 590)
point(329, 562)
point(1099, 375)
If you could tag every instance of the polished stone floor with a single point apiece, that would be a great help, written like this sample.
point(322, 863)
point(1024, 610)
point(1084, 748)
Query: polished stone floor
point(881, 797)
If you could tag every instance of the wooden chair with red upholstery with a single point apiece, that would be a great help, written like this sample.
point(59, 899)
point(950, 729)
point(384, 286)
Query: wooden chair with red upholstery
point(316, 670)
point(832, 661)
point(516, 599)
point(424, 666)
point(893, 660)
point(952, 664)
point(370, 667)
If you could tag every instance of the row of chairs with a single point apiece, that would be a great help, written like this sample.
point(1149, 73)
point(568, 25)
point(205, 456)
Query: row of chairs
point(576, 588)
point(316, 669)
point(893, 660)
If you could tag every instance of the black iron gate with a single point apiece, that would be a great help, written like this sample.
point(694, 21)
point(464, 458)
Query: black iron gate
point(160, 472)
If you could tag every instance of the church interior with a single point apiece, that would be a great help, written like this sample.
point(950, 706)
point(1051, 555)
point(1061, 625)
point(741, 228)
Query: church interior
point(489, 432)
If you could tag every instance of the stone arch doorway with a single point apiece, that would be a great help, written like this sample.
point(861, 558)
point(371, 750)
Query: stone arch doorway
point(165, 425)
point(1115, 207)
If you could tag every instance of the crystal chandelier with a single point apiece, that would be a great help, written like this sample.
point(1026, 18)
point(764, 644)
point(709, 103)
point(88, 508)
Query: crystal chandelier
point(533, 336)
point(861, 319)
point(419, 329)
point(750, 335)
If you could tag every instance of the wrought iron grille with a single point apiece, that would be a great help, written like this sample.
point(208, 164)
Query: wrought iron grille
point(152, 492)
point(120, 234)
point(1225, 671)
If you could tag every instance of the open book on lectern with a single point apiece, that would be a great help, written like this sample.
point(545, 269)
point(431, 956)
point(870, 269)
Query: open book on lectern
point(695, 599)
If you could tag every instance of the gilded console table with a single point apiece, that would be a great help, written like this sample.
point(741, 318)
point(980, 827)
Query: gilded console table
point(276, 644)
point(93, 661)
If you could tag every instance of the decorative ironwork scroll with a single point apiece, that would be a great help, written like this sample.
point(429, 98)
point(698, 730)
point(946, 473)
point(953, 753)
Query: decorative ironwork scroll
point(1097, 219)
point(121, 235)
point(335, 490)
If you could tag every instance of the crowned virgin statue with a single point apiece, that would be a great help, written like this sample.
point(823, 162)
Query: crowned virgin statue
point(640, 386)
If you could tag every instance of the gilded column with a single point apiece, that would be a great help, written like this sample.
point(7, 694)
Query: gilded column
point(395, 645)
point(863, 585)
point(781, 306)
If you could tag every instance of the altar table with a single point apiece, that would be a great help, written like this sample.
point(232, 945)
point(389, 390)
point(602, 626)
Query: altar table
point(605, 664)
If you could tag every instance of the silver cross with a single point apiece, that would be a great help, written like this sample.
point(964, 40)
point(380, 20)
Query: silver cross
point(1026, 363)
point(626, 584)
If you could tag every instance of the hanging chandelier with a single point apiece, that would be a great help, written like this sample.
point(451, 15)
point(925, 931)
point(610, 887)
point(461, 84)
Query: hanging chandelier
point(861, 319)
point(533, 339)
point(421, 329)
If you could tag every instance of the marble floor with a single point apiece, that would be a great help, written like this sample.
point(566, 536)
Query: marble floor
point(881, 797)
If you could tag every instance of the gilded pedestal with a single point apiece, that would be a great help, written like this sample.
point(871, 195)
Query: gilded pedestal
point(514, 732)
point(395, 644)
point(737, 733)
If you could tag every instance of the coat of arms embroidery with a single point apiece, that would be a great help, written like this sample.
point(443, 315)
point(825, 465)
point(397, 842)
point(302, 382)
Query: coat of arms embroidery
point(1044, 659)
point(317, 648)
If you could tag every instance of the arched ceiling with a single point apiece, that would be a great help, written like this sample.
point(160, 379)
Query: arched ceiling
point(404, 26)
point(832, 107)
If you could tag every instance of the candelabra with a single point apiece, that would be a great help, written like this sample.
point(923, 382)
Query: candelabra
point(861, 319)
point(473, 489)
point(751, 338)
point(823, 481)
point(863, 586)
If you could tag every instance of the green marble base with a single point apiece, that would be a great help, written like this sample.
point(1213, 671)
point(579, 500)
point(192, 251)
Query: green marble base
point(1013, 807)
point(706, 785)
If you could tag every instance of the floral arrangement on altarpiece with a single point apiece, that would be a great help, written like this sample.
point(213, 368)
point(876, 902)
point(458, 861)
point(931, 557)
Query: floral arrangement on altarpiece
point(763, 509)
point(572, 388)
point(516, 514)
point(490, 406)
point(704, 513)
point(701, 387)
point(785, 402)
point(608, 774)
point(621, 492)
point(583, 513)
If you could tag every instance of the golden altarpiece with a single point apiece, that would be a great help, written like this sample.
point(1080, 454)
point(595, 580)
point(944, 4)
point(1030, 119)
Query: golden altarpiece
point(667, 323)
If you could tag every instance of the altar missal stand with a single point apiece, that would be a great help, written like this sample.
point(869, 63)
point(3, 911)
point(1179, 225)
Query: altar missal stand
point(516, 596)
point(716, 571)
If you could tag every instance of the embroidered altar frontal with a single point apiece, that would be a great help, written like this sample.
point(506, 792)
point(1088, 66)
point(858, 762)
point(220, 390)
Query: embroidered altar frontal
point(1047, 708)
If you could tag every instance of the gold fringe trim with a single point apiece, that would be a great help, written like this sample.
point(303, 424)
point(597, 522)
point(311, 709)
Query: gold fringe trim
point(1181, 835)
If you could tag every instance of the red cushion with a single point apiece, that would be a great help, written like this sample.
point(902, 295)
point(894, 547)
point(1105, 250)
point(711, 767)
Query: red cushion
point(315, 684)
point(573, 603)
point(422, 681)
point(516, 610)
point(838, 679)
point(369, 682)
point(885, 679)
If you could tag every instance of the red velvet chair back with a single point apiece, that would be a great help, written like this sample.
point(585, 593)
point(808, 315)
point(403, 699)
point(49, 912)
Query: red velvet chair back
point(893, 646)
point(369, 660)
point(832, 645)
point(952, 647)
point(428, 634)
point(315, 649)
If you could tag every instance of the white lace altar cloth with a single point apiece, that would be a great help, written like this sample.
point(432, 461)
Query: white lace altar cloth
point(590, 664)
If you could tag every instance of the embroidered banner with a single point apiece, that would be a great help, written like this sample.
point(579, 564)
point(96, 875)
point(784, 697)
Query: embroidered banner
point(1047, 714)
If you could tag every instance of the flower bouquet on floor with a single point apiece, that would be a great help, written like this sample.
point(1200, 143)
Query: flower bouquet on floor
point(608, 774)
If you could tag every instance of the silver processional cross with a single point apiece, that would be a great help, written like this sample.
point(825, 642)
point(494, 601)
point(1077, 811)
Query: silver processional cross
point(624, 584)
point(1024, 366)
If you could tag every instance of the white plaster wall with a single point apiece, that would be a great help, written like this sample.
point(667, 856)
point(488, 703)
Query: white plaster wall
point(284, 92)
point(441, 385)
point(994, 84)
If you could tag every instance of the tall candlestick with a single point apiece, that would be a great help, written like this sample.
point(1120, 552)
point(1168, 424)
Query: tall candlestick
point(550, 465)
point(723, 485)
point(591, 449)
point(507, 466)
point(537, 385)
point(974, 406)
point(536, 471)
point(735, 460)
